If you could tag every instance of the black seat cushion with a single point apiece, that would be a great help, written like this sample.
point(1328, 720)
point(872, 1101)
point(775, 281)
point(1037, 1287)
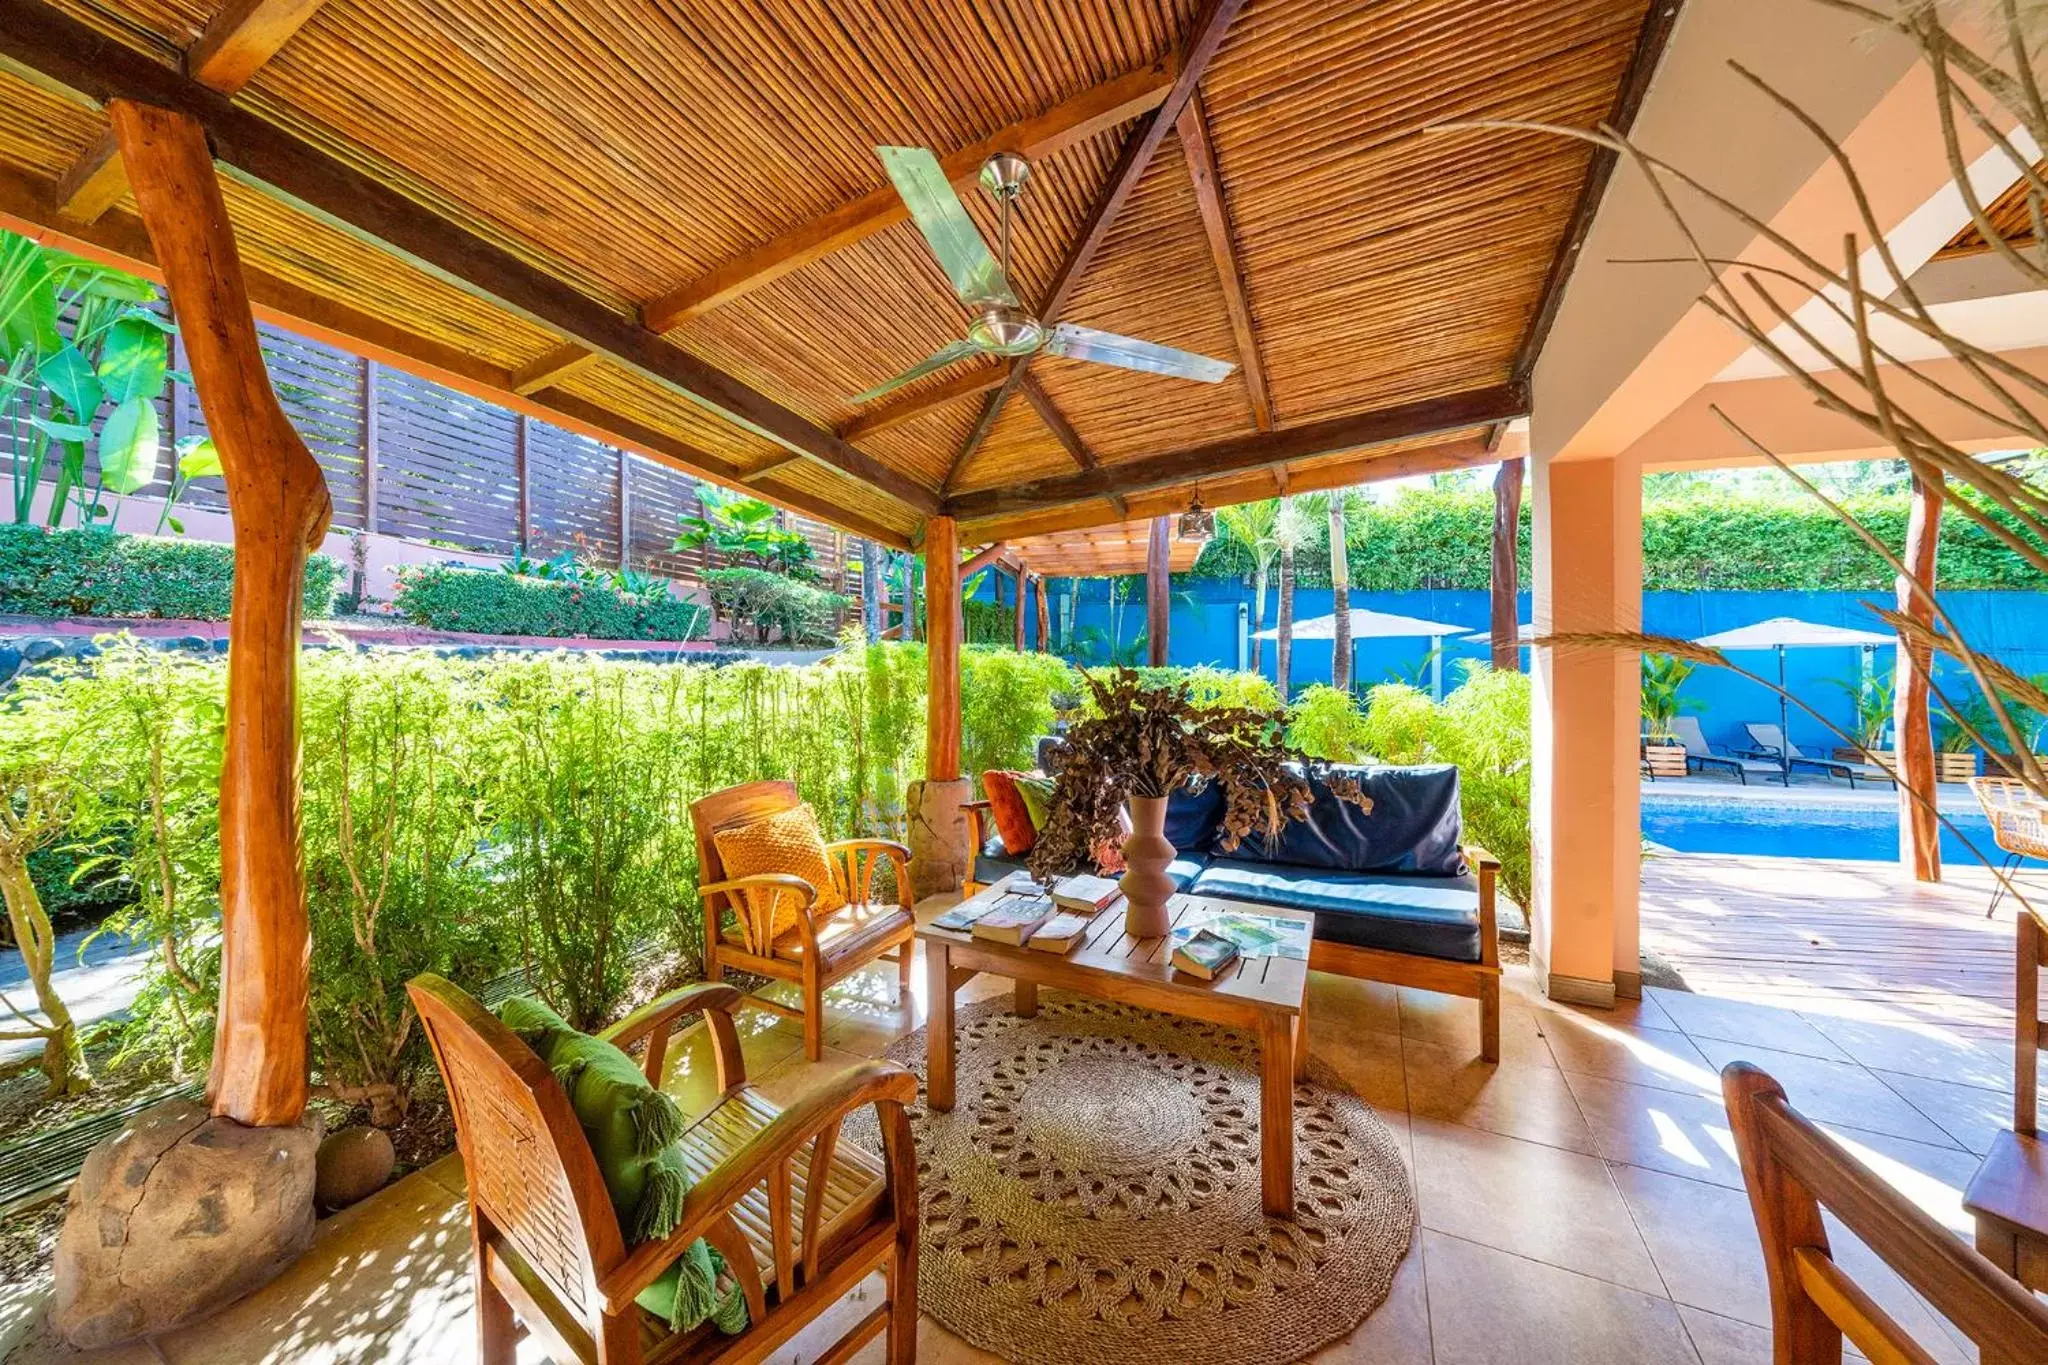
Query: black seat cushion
point(1398, 913)
point(1414, 825)
point(992, 864)
point(1192, 814)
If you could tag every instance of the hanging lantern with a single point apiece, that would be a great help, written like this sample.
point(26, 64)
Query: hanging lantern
point(1198, 523)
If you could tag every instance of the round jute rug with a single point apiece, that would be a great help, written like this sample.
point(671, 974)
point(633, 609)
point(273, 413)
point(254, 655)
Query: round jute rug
point(1094, 1194)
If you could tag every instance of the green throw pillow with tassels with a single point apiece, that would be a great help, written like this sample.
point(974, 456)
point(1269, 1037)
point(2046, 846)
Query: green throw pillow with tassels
point(632, 1128)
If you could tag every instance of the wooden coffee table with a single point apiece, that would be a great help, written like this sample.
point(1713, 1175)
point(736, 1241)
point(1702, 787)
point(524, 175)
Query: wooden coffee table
point(1263, 995)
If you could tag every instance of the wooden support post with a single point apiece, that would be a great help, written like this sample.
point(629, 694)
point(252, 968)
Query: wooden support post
point(625, 512)
point(1158, 590)
point(1507, 525)
point(1919, 830)
point(871, 589)
point(1044, 623)
point(522, 439)
point(279, 504)
point(1340, 598)
point(373, 428)
point(1023, 588)
point(942, 649)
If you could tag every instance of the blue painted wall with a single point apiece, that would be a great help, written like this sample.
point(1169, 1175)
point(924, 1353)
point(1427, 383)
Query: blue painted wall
point(2011, 625)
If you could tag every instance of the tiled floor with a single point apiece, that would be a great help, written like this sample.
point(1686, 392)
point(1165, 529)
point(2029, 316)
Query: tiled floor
point(1579, 1202)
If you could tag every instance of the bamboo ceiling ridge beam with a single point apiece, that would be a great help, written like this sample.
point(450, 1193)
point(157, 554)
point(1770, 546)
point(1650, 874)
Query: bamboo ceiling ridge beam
point(281, 509)
point(1200, 154)
point(60, 49)
point(909, 406)
point(1056, 421)
point(1104, 107)
point(235, 45)
point(1239, 454)
point(1205, 38)
point(118, 240)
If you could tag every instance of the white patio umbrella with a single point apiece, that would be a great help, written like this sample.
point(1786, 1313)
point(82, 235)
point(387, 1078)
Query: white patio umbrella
point(1378, 625)
point(1524, 633)
point(1789, 632)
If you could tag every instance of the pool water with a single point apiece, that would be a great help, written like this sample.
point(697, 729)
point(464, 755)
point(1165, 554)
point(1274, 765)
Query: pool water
point(1792, 830)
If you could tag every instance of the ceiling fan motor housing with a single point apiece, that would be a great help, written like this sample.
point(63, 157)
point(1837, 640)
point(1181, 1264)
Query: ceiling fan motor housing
point(1005, 331)
point(1003, 175)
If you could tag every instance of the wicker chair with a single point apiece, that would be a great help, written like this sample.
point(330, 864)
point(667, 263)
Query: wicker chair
point(820, 950)
point(800, 1217)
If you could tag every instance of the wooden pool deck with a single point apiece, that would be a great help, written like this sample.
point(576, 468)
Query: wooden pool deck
point(1850, 940)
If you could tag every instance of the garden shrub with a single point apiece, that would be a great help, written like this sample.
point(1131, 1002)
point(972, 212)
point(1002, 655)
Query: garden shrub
point(1324, 722)
point(97, 572)
point(1005, 705)
point(774, 606)
point(1213, 686)
point(491, 602)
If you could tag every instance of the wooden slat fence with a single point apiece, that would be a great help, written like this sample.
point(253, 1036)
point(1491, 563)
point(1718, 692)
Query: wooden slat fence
point(406, 457)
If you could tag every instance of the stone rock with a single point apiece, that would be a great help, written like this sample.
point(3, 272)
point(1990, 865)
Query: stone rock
point(82, 649)
point(352, 1165)
point(179, 1215)
point(939, 855)
point(196, 643)
point(40, 648)
point(220, 646)
point(10, 662)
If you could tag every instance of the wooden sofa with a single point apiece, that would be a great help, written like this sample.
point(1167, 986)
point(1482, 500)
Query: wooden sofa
point(799, 1216)
point(1436, 931)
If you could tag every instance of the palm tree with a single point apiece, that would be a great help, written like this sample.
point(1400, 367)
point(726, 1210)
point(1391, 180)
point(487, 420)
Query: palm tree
point(1290, 530)
point(1253, 524)
point(1340, 594)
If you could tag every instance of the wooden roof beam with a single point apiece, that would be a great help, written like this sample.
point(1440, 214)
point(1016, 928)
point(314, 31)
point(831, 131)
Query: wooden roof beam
point(771, 467)
point(545, 372)
point(117, 239)
point(1056, 421)
point(908, 406)
point(1204, 39)
point(239, 40)
point(1200, 154)
point(1093, 111)
point(261, 154)
point(1240, 454)
point(983, 557)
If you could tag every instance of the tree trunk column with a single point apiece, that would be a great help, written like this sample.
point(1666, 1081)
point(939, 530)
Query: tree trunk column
point(1507, 525)
point(1340, 596)
point(1919, 830)
point(1158, 590)
point(1023, 587)
point(1044, 616)
point(279, 504)
point(939, 853)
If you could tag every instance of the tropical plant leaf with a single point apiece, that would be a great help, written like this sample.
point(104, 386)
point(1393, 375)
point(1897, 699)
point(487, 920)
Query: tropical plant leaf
point(70, 432)
point(198, 457)
point(69, 375)
point(128, 441)
point(134, 358)
point(28, 297)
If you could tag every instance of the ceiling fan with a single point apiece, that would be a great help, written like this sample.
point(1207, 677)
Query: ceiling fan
point(1000, 326)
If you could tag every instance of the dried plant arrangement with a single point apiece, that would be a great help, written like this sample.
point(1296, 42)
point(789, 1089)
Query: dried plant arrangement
point(1147, 742)
point(1819, 322)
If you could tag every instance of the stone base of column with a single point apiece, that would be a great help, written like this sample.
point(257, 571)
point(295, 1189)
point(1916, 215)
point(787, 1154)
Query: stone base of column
point(179, 1215)
point(939, 853)
point(1576, 990)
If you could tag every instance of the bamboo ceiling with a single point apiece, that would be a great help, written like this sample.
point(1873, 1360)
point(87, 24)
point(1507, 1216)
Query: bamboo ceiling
point(1385, 278)
point(2010, 214)
point(1099, 551)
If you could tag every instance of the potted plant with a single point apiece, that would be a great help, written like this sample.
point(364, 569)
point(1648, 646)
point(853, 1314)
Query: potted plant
point(1663, 675)
point(1144, 743)
point(1872, 696)
point(1066, 709)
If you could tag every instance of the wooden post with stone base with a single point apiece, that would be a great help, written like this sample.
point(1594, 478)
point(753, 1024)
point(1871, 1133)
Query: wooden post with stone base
point(939, 852)
point(227, 1201)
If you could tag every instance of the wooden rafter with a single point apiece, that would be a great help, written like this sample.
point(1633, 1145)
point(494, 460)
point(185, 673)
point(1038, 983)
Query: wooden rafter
point(1056, 421)
point(1240, 454)
point(235, 45)
point(1105, 106)
point(545, 372)
point(1200, 154)
point(117, 239)
point(1204, 40)
point(916, 403)
point(73, 55)
point(771, 467)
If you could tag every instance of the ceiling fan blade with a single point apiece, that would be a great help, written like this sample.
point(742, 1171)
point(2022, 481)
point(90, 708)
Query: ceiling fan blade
point(977, 277)
point(939, 360)
point(1107, 348)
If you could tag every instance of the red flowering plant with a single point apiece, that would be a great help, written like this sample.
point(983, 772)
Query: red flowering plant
point(1149, 741)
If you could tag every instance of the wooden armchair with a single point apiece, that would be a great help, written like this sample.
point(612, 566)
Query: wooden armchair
point(800, 1217)
point(1793, 1170)
point(821, 949)
point(2008, 1197)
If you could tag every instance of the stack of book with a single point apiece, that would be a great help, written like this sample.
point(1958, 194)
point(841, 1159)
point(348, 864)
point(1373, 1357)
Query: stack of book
point(1014, 919)
point(1087, 895)
point(1204, 954)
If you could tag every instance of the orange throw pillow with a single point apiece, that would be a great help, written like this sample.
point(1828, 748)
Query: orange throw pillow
point(790, 842)
point(1013, 817)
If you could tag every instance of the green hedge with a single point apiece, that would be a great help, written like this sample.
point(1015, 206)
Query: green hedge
point(97, 572)
point(1440, 538)
point(491, 602)
point(774, 606)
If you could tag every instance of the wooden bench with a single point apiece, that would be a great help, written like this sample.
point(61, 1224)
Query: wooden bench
point(799, 1216)
point(2008, 1197)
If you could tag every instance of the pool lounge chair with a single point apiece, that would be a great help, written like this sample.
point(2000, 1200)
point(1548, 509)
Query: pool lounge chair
point(1769, 739)
point(1700, 756)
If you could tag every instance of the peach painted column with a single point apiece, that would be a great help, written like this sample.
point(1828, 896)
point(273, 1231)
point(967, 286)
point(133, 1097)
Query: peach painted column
point(1585, 814)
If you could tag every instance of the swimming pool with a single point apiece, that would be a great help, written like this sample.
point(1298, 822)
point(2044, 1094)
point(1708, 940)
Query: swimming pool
point(1790, 828)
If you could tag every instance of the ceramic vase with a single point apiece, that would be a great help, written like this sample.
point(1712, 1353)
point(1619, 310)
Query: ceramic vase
point(1147, 854)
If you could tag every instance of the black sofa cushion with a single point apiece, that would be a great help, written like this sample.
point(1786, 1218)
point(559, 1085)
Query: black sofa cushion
point(993, 863)
point(1192, 814)
point(1414, 826)
point(1399, 913)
